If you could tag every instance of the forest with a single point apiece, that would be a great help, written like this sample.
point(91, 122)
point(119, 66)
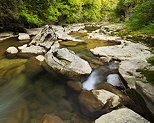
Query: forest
point(17, 14)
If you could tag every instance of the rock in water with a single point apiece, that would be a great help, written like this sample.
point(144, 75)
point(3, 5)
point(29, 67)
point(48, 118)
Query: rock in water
point(46, 34)
point(11, 52)
point(23, 37)
point(123, 115)
point(66, 63)
point(97, 102)
point(114, 79)
point(51, 119)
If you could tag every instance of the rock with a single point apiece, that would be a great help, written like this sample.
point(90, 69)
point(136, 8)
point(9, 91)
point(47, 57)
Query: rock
point(55, 45)
point(11, 52)
point(129, 73)
point(114, 79)
point(97, 34)
point(51, 119)
point(65, 115)
point(125, 99)
point(105, 59)
point(147, 92)
point(23, 37)
point(22, 47)
point(6, 35)
point(33, 67)
point(31, 51)
point(75, 85)
point(46, 44)
point(107, 97)
point(123, 115)
point(40, 58)
point(46, 34)
point(33, 31)
point(126, 51)
point(66, 63)
point(97, 102)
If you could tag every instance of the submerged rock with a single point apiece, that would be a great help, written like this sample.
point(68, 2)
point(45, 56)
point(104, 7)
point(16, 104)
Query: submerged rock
point(97, 102)
point(123, 115)
point(65, 62)
point(75, 85)
point(23, 37)
point(51, 119)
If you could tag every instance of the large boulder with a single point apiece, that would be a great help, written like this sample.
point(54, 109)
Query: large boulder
point(147, 92)
point(97, 102)
point(23, 37)
point(46, 34)
point(129, 73)
point(66, 63)
point(123, 115)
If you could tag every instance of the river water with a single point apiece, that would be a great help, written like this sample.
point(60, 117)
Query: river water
point(25, 99)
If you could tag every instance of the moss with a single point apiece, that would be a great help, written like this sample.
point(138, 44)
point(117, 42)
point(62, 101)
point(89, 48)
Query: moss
point(151, 60)
point(148, 74)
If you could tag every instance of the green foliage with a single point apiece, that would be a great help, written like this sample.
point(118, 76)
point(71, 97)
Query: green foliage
point(30, 17)
point(143, 15)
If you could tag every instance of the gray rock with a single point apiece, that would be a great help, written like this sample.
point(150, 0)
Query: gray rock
point(33, 31)
point(126, 51)
point(147, 92)
point(22, 47)
point(128, 70)
point(32, 50)
point(12, 50)
point(114, 79)
point(46, 34)
point(6, 35)
point(40, 58)
point(123, 115)
point(67, 63)
point(23, 37)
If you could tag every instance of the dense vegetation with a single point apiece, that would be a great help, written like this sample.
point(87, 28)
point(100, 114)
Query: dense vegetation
point(16, 14)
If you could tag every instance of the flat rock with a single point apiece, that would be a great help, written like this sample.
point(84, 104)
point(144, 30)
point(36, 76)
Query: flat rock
point(23, 37)
point(33, 31)
point(67, 63)
point(40, 58)
point(31, 51)
point(123, 115)
point(22, 47)
point(126, 51)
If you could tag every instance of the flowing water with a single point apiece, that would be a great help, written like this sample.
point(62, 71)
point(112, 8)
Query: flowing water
point(25, 99)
